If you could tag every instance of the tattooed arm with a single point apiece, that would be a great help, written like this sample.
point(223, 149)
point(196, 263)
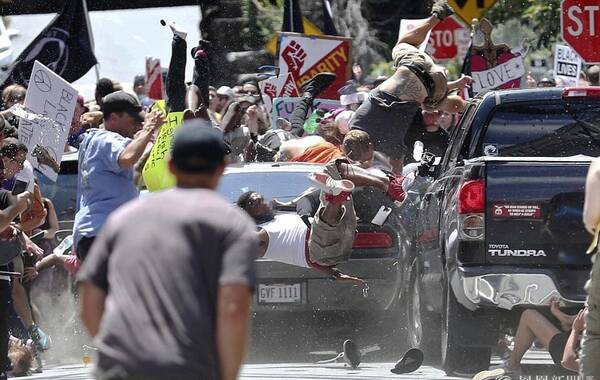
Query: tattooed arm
point(405, 85)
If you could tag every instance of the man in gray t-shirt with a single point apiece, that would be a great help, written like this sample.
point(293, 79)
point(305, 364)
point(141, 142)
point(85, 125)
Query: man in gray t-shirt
point(166, 288)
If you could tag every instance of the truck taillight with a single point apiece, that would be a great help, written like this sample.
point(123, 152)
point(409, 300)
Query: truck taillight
point(471, 197)
point(471, 209)
point(581, 92)
point(374, 239)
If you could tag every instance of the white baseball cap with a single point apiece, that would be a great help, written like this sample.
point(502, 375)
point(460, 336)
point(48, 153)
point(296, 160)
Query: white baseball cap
point(226, 91)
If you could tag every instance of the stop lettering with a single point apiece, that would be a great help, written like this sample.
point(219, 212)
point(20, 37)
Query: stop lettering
point(444, 39)
point(580, 25)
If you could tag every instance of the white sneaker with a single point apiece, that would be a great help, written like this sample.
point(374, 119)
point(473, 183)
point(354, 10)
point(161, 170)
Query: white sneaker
point(330, 185)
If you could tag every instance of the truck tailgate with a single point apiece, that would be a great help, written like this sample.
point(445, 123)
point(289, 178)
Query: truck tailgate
point(534, 213)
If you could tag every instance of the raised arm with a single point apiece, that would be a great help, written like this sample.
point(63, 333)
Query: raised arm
point(134, 151)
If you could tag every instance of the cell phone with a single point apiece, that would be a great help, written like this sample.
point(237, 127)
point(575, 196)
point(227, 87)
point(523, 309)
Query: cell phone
point(19, 187)
point(381, 215)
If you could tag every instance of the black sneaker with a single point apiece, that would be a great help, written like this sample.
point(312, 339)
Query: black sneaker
point(441, 9)
point(352, 355)
point(318, 83)
point(410, 362)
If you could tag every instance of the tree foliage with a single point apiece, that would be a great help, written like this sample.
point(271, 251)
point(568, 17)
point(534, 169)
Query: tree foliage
point(543, 17)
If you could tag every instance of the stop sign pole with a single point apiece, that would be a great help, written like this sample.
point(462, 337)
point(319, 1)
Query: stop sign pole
point(580, 26)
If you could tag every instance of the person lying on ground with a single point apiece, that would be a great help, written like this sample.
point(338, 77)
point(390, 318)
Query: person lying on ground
point(533, 325)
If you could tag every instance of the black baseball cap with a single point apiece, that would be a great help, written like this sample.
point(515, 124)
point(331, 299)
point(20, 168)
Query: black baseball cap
point(198, 147)
point(122, 101)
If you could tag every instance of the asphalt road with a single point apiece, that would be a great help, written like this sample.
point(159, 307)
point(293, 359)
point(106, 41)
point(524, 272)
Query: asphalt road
point(537, 365)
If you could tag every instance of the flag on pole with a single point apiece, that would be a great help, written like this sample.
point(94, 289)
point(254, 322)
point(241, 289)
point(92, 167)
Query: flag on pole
point(328, 25)
point(292, 17)
point(467, 93)
point(64, 46)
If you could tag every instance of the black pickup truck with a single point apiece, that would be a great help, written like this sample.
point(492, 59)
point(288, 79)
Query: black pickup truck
point(497, 224)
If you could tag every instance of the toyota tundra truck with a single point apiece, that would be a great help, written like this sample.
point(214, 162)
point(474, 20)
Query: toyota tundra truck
point(498, 225)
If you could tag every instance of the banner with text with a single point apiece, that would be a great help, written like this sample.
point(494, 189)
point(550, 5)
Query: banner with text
point(281, 86)
point(54, 98)
point(283, 107)
point(567, 65)
point(305, 56)
point(156, 172)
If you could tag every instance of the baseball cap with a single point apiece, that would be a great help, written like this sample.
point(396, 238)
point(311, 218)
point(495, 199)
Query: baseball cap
point(122, 101)
point(225, 91)
point(197, 146)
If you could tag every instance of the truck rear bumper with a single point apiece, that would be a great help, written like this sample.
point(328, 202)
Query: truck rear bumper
point(507, 290)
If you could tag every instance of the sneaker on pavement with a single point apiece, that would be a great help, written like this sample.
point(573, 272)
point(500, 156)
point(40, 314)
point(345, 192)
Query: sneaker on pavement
point(410, 362)
point(318, 83)
point(502, 371)
point(330, 185)
point(352, 355)
point(441, 9)
point(41, 340)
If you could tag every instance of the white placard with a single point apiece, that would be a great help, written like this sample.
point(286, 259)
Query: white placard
point(567, 65)
point(497, 76)
point(53, 97)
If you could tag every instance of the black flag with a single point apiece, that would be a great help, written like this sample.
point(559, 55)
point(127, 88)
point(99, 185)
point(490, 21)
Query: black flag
point(63, 46)
point(292, 17)
point(328, 25)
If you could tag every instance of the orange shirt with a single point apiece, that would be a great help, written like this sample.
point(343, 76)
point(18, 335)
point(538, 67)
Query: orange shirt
point(321, 153)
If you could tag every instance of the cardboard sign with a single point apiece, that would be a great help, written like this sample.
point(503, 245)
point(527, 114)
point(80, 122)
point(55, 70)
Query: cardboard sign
point(156, 172)
point(494, 66)
point(54, 98)
point(305, 56)
point(284, 107)
point(567, 65)
point(281, 86)
point(508, 71)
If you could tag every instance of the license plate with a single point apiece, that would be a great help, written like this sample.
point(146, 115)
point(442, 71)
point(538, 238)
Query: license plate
point(279, 293)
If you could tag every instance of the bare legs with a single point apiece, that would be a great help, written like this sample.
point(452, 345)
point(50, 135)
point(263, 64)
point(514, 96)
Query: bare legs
point(532, 325)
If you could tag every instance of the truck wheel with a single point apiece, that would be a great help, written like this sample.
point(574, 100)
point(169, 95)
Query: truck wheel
point(458, 358)
point(423, 325)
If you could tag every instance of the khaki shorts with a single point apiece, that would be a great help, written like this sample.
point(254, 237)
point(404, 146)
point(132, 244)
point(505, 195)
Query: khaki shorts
point(330, 245)
point(590, 344)
point(404, 53)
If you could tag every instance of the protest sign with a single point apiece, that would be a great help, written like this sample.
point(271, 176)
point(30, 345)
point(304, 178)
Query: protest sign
point(305, 56)
point(494, 66)
point(54, 99)
point(283, 107)
point(567, 65)
point(156, 170)
point(277, 87)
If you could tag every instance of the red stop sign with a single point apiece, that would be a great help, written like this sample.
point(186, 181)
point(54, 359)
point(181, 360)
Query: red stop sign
point(444, 39)
point(580, 25)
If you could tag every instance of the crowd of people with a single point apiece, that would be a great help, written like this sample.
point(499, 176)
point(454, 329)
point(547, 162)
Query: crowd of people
point(118, 247)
